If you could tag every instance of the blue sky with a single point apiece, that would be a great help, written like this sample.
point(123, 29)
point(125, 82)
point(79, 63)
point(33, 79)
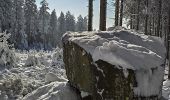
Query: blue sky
point(78, 7)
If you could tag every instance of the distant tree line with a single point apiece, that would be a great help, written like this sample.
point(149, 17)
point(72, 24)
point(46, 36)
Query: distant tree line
point(33, 28)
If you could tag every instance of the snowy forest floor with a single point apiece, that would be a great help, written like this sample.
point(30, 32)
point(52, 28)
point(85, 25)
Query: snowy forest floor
point(34, 69)
point(37, 69)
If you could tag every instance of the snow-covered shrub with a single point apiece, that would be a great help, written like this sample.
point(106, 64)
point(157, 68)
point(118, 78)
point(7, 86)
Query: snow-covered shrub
point(12, 88)
point(7, 55)
point(32, 60)
point(42, 57)
point(36, 58)
point(57, 57)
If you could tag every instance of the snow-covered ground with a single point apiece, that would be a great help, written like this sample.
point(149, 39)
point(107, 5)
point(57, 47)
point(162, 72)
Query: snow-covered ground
point(33, 70)
point(36, 76)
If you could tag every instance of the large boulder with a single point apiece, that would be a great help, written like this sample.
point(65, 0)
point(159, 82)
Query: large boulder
point(116, 65)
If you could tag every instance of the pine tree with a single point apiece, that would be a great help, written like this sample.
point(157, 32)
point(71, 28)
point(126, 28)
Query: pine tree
point(44, 22)
point(61, 27)
point(5, 14)
point(85, 24)
point(43, 17)
point(31, 15)
point(80, 24)
point(53, 29)
point(18, 25)
point(69, 22)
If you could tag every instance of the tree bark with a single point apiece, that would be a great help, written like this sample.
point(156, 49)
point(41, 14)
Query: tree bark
point(103, 6)
point(159, 18)
point(121, 13)
point(168, 39)
point(117, 13)
point(138, 10)
point(131, 22)
point(153, 25)
point(150, 25)
point(146, 18)
point(90, 16)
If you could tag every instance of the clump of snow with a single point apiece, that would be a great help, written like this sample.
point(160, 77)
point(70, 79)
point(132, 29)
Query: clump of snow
point(166, 89)
point(53, 91)
point(126, 73)
point(149, 82)
point(84, 94)
point(127, 49)
point(51, 77)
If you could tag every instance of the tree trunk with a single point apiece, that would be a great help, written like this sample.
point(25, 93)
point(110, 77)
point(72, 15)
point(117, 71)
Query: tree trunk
point(159, 18)
point(117, 13)
point(146, 18)
point(103, 6)
point(150, 25)
point(138, 10)
point(121, 13)
point(131, 22)
point(153, 25)
point(168, 39)
point(90, 16)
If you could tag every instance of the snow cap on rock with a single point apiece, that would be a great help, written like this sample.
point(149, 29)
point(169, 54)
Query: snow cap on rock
point(125, 48)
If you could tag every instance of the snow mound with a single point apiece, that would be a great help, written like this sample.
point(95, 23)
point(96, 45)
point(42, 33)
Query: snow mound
point(124, 48)
point(53, 91)
point(51, 77)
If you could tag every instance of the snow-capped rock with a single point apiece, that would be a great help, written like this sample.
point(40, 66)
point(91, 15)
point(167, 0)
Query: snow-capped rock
point(123, 59)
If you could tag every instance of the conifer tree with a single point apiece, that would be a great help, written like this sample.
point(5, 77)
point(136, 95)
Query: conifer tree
point(53, 29)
